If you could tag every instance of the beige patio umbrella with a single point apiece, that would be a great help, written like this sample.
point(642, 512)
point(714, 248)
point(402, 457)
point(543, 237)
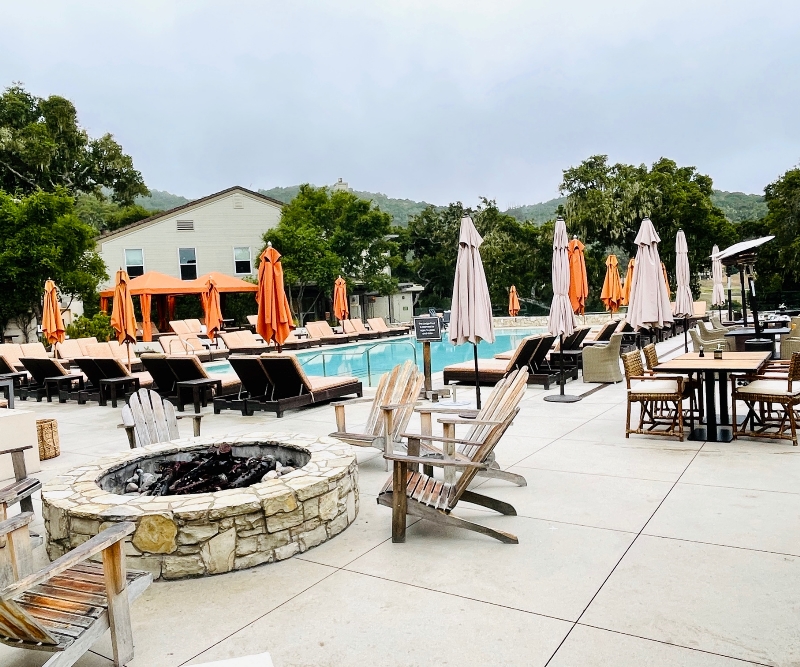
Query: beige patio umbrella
point(471, 317)
point(718, 292)
point(562, 318)
point(684, 304)
point(649, 303)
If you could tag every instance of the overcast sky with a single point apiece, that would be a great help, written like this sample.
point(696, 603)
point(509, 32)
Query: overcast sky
point(428, 99)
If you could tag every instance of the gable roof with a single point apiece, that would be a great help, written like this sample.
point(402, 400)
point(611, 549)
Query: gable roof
point(120, 231)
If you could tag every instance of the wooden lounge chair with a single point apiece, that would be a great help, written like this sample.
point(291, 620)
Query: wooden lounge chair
point(491, 371)
point(12, 353)
point(69, 351)
point(378, 324)
point(243, 342)
point(50, 378)
point(356, 326)
point(322, 330)
point(395, 397)
point(501, 404)
point(149, 419)
point(409, 491)
point(158, 367)
point(291, 386)
point(65, 607)
point(112, 350)
point(256, 390)
point(542, 371)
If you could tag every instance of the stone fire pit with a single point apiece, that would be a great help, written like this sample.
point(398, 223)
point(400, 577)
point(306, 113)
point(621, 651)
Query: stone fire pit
point(198, 534)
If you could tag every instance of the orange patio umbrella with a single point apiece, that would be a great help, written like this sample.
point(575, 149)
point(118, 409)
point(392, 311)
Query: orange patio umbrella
point(513, 302)
point(666, 280)
point(212, 309)
point(123, 319)
point(274, 315)
point(341, 309)
point(626, 288)
point(52, 324)
point(611, 295)
point(578, 283)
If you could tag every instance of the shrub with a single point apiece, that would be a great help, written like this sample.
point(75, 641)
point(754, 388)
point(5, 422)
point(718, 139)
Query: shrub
point(98, 326)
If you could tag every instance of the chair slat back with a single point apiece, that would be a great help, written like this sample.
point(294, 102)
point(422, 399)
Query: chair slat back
point(154, 420)
point(406, 400)
point(383, 394)
point(16, 623)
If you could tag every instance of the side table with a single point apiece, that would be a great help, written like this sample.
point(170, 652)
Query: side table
point(198, 388)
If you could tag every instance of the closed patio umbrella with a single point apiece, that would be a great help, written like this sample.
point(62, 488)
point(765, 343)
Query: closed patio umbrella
point(341, 309)
point(212, 309)
point(718, 292)
point(471, 318)
point(513, 302)
point(578, 283)
point(611, 295)
point(123, 321)
point(562, 319)
point(52, 324)
point(649, 302)
point(274, 315)
point(684, 304)
point(626, 287)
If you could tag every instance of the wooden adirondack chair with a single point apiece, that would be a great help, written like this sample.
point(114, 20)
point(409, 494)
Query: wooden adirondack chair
point(392, 407)
point(502, 402)
point(409, 491)
point(148, 419)
point(66, 606)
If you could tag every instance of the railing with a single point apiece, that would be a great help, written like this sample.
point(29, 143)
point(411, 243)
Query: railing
point(363, 353)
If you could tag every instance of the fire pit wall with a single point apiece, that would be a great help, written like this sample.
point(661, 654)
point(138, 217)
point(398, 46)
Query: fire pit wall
point(209, 533)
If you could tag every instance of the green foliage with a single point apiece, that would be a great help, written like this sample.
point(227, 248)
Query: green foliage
point(738, 206)
point(99, 326)
point(322, 235)
point(41, 238)
point(538, 213)
point(606, 204)
point(104, 215)
point(160, 200)
point(42, 147)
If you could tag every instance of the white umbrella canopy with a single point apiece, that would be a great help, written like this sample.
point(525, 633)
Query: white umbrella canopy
point(684, 304)
point(718, 293)
point(471, 317)
point(649, 302)
point(562, 318)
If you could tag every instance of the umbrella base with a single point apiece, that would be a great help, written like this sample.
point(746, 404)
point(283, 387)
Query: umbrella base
point(562, 398)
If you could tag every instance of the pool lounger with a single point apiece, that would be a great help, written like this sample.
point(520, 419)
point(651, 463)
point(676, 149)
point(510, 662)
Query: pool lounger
point(491, 371)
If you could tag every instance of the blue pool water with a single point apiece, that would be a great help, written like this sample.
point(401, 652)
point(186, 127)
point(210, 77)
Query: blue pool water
point(370, 359)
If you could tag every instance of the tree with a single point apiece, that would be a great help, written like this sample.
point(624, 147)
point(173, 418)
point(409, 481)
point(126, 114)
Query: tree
point(40, 239)
point(42, 147)
point(106, 215)
point(322, 235)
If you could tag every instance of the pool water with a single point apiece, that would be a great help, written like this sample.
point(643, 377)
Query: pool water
point(369, 360)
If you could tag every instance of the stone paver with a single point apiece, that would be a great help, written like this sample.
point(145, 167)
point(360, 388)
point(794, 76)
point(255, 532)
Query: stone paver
point(633, 551)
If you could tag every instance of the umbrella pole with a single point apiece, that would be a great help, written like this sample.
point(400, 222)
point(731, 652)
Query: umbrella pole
point(561, 397)
point(685, 334)
point(128, 345)
point(477, 380)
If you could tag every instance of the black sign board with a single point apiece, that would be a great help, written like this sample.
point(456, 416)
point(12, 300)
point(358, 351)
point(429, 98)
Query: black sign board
point(428, 328)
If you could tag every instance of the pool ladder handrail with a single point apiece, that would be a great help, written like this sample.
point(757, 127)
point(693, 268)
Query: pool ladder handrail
point(366, 351)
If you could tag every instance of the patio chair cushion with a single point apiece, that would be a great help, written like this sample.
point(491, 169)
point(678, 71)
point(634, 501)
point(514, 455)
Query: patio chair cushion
point(778, 388)
point(499, 365)
point(318, 383)
point(655, 387)
point(33, 351)
point(83, 342)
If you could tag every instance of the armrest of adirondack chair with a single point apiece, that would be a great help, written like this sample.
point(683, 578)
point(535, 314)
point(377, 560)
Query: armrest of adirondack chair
point(460, 420)
point(445, 410)
point(437, 438)
point(338, 406)
point(195, 422)
point(109, 543)
point(16, 491)
point(430, 461)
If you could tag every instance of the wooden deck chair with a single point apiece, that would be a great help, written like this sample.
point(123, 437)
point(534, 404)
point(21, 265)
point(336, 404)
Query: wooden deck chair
point(409, 491)
point(378, 324)
point(491, 371)
point(502, 401)
point(65, 607)
point(70, 350)
point(156, 364)
point(322, 331)
point(149, 419)
point(256, 386)
point(395, 397)
point(356, 326)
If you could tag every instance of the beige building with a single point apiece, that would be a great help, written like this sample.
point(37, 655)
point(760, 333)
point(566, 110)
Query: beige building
point(222, 232)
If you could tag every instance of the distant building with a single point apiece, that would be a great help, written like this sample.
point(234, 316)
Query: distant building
point(340, 185)
point(221, 232)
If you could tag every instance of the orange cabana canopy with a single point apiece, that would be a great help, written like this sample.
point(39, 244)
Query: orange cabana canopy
point(611, 295)
point(513, 302)
point(224, 283)
point(341, 309)
point(274, 315)
point(154, 282)
point(212, 309)
point(626, 288)
point(578, 282)
point(52, 324)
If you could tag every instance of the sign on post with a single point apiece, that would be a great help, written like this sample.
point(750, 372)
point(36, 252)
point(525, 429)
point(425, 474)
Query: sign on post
point(428, 329)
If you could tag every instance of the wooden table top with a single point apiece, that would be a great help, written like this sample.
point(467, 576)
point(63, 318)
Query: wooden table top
point(742, 362)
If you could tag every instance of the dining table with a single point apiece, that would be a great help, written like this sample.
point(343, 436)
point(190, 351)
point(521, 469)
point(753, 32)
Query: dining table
point(715, 371)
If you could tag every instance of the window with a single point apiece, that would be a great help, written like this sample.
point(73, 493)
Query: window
point(241, 260)
point(134, 262)
point(185, 225)
point(187, 258)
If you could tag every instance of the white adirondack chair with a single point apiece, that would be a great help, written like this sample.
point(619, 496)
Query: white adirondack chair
point(149, 419)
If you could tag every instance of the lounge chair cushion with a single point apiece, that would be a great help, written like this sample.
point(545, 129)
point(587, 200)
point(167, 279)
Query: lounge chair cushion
point(321, 383)
point(69, 349)
point(83, 342)
point(489, 365)
point(33, 351)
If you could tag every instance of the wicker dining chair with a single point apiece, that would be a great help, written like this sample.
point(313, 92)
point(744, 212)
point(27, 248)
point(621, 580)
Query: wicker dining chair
point(660, 398)
point(692, 386)
point(772, 399)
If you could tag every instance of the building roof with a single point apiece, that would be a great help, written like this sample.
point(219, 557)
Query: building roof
point(105, 236)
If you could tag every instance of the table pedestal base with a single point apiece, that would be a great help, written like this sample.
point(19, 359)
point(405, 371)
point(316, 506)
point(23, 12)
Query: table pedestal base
point(700, 434)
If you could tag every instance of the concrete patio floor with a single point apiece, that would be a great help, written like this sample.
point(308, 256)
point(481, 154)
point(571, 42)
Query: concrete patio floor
point(632, 552)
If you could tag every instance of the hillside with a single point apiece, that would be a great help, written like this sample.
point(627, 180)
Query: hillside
point(738, 206)
point(160, 200)
point(539, 213)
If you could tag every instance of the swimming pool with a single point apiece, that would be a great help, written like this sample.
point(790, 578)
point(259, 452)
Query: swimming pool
point(369, 360)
